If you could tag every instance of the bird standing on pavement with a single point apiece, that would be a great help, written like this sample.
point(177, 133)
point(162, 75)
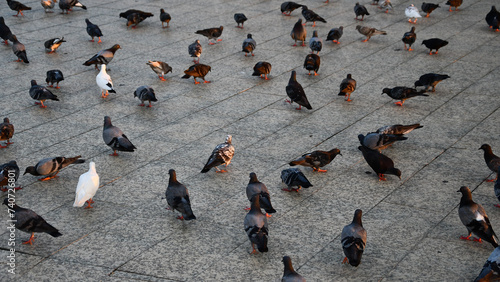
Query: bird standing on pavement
point(165, 18)
point(178, 197)
point(353, 239)
point(296, 93)
point(288, 7)
point(347, 86)
point(315, 43)
point(160, 68)
point(48, 5)
point(259, 189)
point(379, 162)
point(211, 33)
point(54, 76)
point(51, 45)
point(67, 5)
point(197, 71)
point(93, 30)
point(19, 50)
point(5, 32)
point(312, 63)
point(293, 177)
point(87, 186)
point(454, 3)
point(493, 19)
point(145, 93)
point(249, 45)
point(360, 10)
point(378, 141)
point(104, 82)
point(7, 172)
point(430, 80)
point(387, 5)
point(221, 155)
point(316, 159)
point(115, 138)
point(50, 167)
point(492, 160)
point(428, 8)
point(369, 31)
point(6, 132)
point(434, 44)
point(103, 57)
point(412, 12)
point(17, 6)
point(409, 38)
point(40, 93)
point(256, 227)
point(240, 19)
point(299, 32)
point(402, 93)
point(195, 50)
point(335, 34)
point(262, 69)
point(311, 16)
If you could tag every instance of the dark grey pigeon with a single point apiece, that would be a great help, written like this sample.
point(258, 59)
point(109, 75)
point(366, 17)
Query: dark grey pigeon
point(178, 197)
point(5, 32)
point(402, 93)
point(257, 188)
point(50, 167)
point(474, 217)
point(335, 34)
point(41, 94)
point(262, 69)
point(491, 269)
point(312, 63)
point(296, 93)
point(19, 50)
point(211, 33)
point(315, 43)
point(115, 139)
point(51, 45)
point(299, 32)
point(347, 86)
point(160, 68)
point(6, 132)
point(145, 93)
point(240, 18)
point(353, 240)
point(195, 50)
point(377, 141)
point(249, 45)
point(137, 17)
point(289, 274)
point(104, 57)
point(496, 188)
point(17, 6)
point(428, 8)
point(493, 19)
point(288, 7)
point(54, 76)
point(293, 177)
point(93, 30)
point(430, 80)
point(221, 155)
point(434, 44)
point(255, 225)
point(317, 159)
point(380, 163)
point(6, 169)
point(165, 18)
point(409, 38)
point(67, 5)
point(492, 160)
point(311, 16)
point(28, 221)
point(360, 10)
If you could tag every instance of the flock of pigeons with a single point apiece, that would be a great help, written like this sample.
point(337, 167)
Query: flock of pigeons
point(353, 236)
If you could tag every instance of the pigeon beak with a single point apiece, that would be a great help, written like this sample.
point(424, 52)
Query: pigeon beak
point(458, 191)
point(341, 154)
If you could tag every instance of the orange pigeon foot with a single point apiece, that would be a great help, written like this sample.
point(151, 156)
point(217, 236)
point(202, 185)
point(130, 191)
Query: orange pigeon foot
point(31, 240)
point(381, 177)
point(466, 238)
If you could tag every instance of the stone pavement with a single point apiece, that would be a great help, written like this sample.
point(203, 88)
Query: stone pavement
point(412, 224)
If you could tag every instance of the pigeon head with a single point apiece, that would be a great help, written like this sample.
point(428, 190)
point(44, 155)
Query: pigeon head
point(298, 22)
point(162, 10)
point(6, 120)
point(253, 178)
point(418, 83)
point(249, 35)
point(341, 28)
point(466, 195)
point(315, 33)
point(229, 139)
point(349, 76)
point(335, 151)
point(30, 170)
point(394, 171)
point(361, 137)
point(357, 217)
point(412, 29)
point(293, 77)
point(92, 166)
point(358, 27)
point(386, 91)
point(173, 176)
point(114, 48)
point(5, 201)
point(304, 7)
point(107, 121)
point(287, 262)
point(485, 147)
point(87, 21)
point(33, 82)
point(2, 21)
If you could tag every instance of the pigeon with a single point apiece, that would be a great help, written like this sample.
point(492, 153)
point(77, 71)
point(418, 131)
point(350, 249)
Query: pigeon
point(374, 2)
point(240, 19)
point(103, 57)
point(409, 38)
point(402, 93)
point(288, 7)
point(145, 93)
point(87, 186)
point(5, 32)
point(491, 269)
point(67, 5)
point(160, 68)
point(195, 50)
point(380, 163)
point(48, 5)
point(40, 93)
point(398, 129)
point(262, 69)
point(315, 43)
point(311, 16)
point(492, 19)
point(454, 3)
point(492, 160)
point(299, 32)
point(378, 141)
point(6, 132)
point(135, 17)
point(360, 10)
point(296, 93)
point(9, 174)
point(496, 188)
point(54, 76)
point(316, 159)
point(312, 63)
point(221, 155)
point(335, 34)
point(347, 86)
point(353, 239)
point(28, 221)
point(51, 45)
point(293, 177)
point(165, 18)
point(428, 8)
point(94, 31)
point(255, 224)
point(50, 167)
point(387, 5)
point(115, 139)
point(430, 80)
point(17, 6)
point(211, 33)
point(104, 82)
point(257, 188)
point(289, 274)
point(412, 12)
point(434, 43)
point(19, 50)
point(198, 70)
point(369, 32)
point(249, 45)
point(178, 197)
point(474, 217)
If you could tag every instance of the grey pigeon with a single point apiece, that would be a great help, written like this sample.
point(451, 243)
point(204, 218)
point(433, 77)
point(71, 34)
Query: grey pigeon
point(67, 5)
point(380, 163)
point(402, 93)
point(430, 80)
point(160, 68)
point(347, 86)
point(40, 93)
point(335, 34)
point(6, 132)
point(353, 240)
point(409, 38)
point(454, 3)
point(289, 274)
point(221, 155)
point(135, 16)
point(19, 50)
point(51, 45)
point(360, 10)
point(262, 69)
point(369, 31)
point(296, 93)
point(5, 32)
point(288, 7)
point(93, 30)
point(165, 18)
point(428, 8)
point(197, 71)
point(315, 43)
point(312, 63)
point(311, 16)
point(398, 129)
point(50, 167)
point(474, 217)
point(434, 44)
point(377, 141)
point(115, 139)
point(9, 171)
point(178, 197)
point(211, 33)
point(240, 18)
point(491, 269)
point(145, 93)
point(17, 6)
point(255, 225)
point(104, 57)
point(299, 32)
point(492, 19)
point(28, 221)
point(293, 177)
point(317, 159)
point(257, 188)
point(195, 50)
point(492, 160)
point(249, 45)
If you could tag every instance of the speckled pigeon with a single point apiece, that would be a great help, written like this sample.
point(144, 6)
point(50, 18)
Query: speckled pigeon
point(316, 159)
point(221, 155)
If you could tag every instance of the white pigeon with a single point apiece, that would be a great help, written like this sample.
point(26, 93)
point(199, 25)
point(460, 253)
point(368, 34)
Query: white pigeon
point(88, 183)
point(412, 13)
point(103, 80)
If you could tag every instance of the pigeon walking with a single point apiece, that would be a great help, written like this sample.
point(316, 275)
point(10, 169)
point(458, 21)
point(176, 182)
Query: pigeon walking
point(353, 240)
point(18, 7)
point(94, 31)
point(360, 10)
point(289, 274)
point(67, 5)
point(211, 33)
point(195, 50)
point(288, 7)
point(6, 132)
point(51, 45)
point(50, 167)
point(262, 69)
point(296, 93)
point(315, 43)
point(430, 80)
point(104, 57)
point(5, 32)
point(48, 5)
point(40, 93)
point(409, 38)
point(87, 186)
point(19, 50)
point(377, 141)
point(369, 32)
point(380, 163)
point(221, 155)
point(402, 93)
point(104, 82)
point(160, 68)
point(492, 160)
point(259, 189)
point(134, 17)
point(411, 12)
point(115, 138)
point(387, 5)
point(249, 45)
point(293, 177)
point(256, 227)
point(335, 34)
point(316, 159)
point(312, 63)
point(434, 44)
point(240, 19)
point(311, 16)
point(428, 8)
point(178, 197)
point(492, 19)
point(165, 18)
point(7, 172)
point(454, 3)
point(197, 71)
point(299, 32)
point(145, 93)
point(54, 76)
point(347, 86)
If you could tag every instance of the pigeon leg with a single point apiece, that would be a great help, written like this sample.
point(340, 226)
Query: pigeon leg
point(477, 240)
point(386, 11)
point(180, 217)
point(99, 40)
point(381, 177)
point(88, 204)
point(345, 260)
point(220, 39)
point(496, 205)
point(299, 108)
point(49, 177)
point(150, 105)
point(303, 43)
point(5, 42)
point(254, 251)
point(221, 170)
point(409, 49)
point(31, 240)
point(320, 170)
point(195, 82)
point(491, 180)
point(450, 9)
point(400, 103)
point(315, 73)
point(368, 38)
point(115, 154)
point(427, 15)
point(92, 40)
point(336, 41)
point(206, 81)
point(253, 54)
point(247, 208)
point(162, 78)
point(314, 24)
point(141, 105)
point(309, 73)
point(57, 85)
point(348, 97)
point(265, 77)
point(268, 215)
point(287, 189)
point(466, 238)
point(42, 105)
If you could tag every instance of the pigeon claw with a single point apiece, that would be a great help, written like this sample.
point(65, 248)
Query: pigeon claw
point(477, 240)
point(88, 204)
point(294, 45)
point(48, 177)
point(399, 103)
point(381, 177)
point(335, 41)
point(247, 208)
point(162, 78)
point(31, 240)
point(180, 217)
point(287, 189)
point(268, 215)
point(115, 154)
point(99, 40)
point(319, 170)
point(365, 40)
point(466, 238)
point(141, 105)
point(211, 43)
point(206, 81)
point(345, 260)
point(221, 171)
